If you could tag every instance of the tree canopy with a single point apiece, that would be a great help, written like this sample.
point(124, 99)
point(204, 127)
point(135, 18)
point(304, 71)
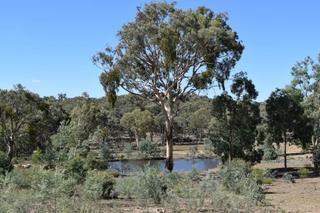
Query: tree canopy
point(166, 54)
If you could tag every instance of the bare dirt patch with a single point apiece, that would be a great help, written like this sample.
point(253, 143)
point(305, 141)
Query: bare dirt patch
point(302, 196)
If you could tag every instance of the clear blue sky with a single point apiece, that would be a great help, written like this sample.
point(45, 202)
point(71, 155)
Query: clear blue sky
point(47, 45)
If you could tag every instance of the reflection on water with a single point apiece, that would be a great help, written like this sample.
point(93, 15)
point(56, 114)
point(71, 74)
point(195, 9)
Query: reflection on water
point(180, 165)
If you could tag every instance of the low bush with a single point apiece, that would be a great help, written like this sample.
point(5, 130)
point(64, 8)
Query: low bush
point(149, 149)
point(225, 201)
point(5, 163)
point(126, 186)
point(98, 185)
point(262, 176)
point(76, 168)
point(269, 152)
point(151, 184)
point(303, 172)
point(37, 156)
point(194, 175)
point(35, 190)
point(91, 163)
point(236, 177)
point(18, 179)
point(267, 180)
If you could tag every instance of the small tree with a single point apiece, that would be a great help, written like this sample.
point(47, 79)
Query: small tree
point(233, 127)
point(140, 122)
point(285, 117)
point(19, 110)
point(306, 78)
point(166, 54)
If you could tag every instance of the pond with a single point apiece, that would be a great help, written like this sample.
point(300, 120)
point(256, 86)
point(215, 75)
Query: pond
point(180, 165)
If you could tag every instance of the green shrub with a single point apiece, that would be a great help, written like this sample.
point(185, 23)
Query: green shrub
point(5, 164)
point(126, 186)
point(236, 178)
point(262, 176)
point(269, 153)
point(36, 156)
point(232, 172)
point(149, 149)
point(225, 201)
point(151, 184)
point(194, 174)
point(50, 157)
point(267, 181)
point(19, 179)
point(98, 185)
point(92, 162)
point(303, 172)
point(43, 191)
point(76, 169)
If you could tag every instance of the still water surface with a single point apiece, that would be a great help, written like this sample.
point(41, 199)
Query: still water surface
point(180, 165)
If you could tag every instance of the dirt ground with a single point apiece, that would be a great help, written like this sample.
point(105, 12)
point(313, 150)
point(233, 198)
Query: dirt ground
point(301, 196)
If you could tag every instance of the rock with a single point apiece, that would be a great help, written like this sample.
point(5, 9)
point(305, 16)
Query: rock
point(26, 166)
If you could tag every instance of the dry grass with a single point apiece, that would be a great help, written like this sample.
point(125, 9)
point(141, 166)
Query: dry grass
point(183, 151)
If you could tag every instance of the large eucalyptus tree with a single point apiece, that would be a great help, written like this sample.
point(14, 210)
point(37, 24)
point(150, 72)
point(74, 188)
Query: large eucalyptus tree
point(166, 54)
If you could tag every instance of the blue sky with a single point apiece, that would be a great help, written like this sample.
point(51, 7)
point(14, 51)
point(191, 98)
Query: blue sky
point(47, 45)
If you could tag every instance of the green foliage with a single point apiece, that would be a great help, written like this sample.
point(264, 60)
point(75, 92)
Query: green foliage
point(233, 129)
point(149, 149)
point(194, 174)
point(286, 119)
point(236, 177)
point(5, 163)
point(98, 185)
point(151, 184)
point(76, 168)
point(262, 176)
point(157, 50)
point(269, 153)
point(127, 186)
point(19, 179)
point(110, 81)
point(140, 122)
point(306, 79)
point(159, 23)
point(37, 156)
point(92, 161)
point(34, 189)
point(225, 201)
point(303, 172)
